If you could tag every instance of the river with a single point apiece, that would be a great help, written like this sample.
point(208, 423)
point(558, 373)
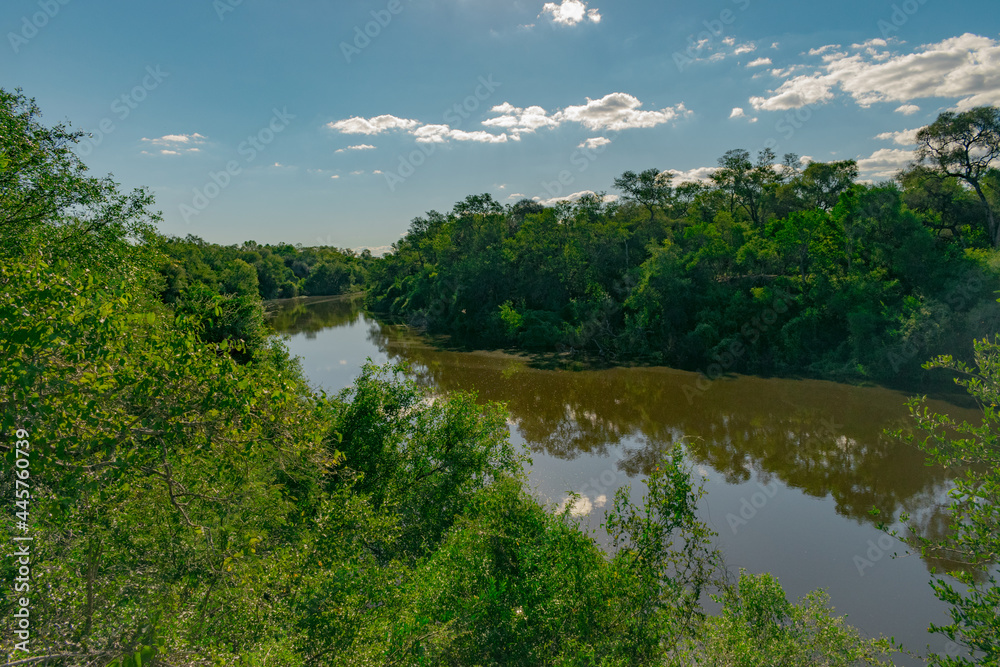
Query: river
point(791, 467)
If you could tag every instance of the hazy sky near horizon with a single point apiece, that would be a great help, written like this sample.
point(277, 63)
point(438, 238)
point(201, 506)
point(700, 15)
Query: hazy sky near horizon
point(338, 122)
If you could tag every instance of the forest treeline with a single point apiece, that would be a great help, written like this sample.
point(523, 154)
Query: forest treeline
point(222, 286)
point(769, 267)
point(191, 500)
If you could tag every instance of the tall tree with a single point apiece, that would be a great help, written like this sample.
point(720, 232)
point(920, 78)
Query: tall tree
point(963, 145)
point(750, 184)
point(650, 188)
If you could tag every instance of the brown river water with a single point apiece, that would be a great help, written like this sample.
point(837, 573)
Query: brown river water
point(791, 467)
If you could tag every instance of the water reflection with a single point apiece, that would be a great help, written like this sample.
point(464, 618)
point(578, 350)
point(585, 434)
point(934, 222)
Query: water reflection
point(825, 439)
point(792, 466)
point(312, 315)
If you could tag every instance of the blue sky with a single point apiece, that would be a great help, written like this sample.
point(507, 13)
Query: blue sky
point(315, 121)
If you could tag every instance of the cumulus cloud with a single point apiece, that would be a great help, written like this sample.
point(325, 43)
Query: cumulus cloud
point(903, 137)
point(738, 113)
point(176, 144)
point(908, 109)
point(439, 134)
point(619, 111)
point(885, 163)
point(696, 175)
point(615, 111)
point(430, 133)
point(570, 12)
point(966, 67)
point(359, 147)
point(376, 125)
point(576, 196)
point(759, 62)
point(519, 120)
point(595, 142)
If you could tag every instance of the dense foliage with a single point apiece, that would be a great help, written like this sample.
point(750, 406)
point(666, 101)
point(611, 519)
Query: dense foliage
point(189, 507)
point(973, 536)
point(768, 268)
point(222, 286)
point(273, 272)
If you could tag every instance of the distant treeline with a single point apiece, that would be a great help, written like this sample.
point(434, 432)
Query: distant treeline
point(222, 286)
point(786, 267)
point(275, 272)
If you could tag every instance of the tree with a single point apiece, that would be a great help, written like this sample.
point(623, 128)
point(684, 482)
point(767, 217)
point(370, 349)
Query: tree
point(975, 507)
point(48, 200)
point(750, 184)
point(963, 145)
point(650, 188)
point(822, 183)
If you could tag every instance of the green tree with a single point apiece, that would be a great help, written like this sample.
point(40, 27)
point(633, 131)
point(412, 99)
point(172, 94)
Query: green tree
point(963, 145)
point(974, 539)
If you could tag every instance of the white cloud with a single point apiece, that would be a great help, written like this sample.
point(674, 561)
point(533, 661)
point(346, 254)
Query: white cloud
point(738, 113)
point(359, 147)
point(378, 171)
point(759, 62)
point(176, 144)
point(696, 175)
point(908, 109)
point(357, 172)
point(570, 12)
point(595, 142)
point(966, 68)
point(576, 196)
point(884, 163)
point(823, 49)
point(439, 134)
point(520, 120)
point(749, 47)
point(619, 111)
point(376, 125)
point(615, 111)
point(377, 251)
point(177, 139)
point(903, 137)
point(516, 195)
point(335, 176)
